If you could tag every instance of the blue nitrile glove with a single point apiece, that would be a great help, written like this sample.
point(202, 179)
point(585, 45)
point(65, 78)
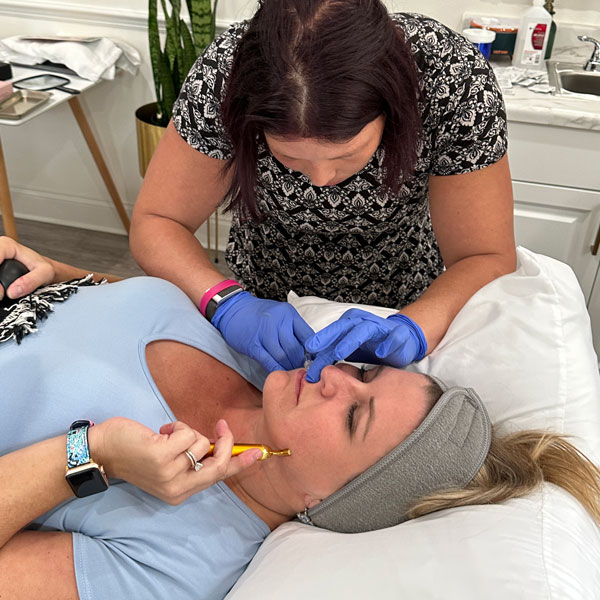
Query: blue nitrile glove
point(360, 336)
point(271, 332)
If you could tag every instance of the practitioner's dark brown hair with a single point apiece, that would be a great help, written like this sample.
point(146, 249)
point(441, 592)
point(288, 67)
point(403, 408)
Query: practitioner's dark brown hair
point(320, 69)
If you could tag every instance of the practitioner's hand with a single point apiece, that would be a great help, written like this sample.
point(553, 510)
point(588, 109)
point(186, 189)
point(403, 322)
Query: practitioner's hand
point(360, 336)
point(41, 271)
point(157, 463)
point(271, 332)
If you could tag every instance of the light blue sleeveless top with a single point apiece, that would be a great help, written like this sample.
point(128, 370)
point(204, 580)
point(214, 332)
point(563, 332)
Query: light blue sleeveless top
point(87, 361)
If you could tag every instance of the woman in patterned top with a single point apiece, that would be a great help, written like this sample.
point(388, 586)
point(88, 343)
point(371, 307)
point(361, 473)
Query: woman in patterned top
point(363, 157)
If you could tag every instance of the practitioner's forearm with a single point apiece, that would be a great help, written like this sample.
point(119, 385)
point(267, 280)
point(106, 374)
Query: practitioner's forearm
point(180, 191)
point(178, 257)
point(32, 482)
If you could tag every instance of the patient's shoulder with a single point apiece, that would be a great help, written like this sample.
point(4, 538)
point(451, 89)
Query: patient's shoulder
point(136, 299)
point(146, 289)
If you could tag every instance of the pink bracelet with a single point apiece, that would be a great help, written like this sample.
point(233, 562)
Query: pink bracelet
point(211, 292)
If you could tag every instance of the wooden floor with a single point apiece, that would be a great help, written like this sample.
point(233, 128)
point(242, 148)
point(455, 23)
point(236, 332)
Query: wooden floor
point(93, 250)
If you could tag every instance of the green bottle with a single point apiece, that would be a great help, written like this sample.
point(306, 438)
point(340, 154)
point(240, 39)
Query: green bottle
point(549, 6)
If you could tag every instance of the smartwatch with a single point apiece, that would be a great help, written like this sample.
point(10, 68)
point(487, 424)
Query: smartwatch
point(220, 297)
point(83, 475)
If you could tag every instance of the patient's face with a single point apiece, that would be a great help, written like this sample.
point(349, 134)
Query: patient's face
point(341, 425)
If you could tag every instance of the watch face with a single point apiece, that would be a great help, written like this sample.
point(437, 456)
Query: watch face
point(86, 480)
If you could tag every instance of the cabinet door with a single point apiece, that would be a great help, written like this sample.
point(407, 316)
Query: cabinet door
point(560, 222)
point(594, 311)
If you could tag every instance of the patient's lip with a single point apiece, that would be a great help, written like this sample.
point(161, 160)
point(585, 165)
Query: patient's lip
point(300, 378)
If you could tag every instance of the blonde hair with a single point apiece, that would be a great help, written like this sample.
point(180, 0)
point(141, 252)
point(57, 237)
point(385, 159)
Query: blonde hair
point(515, 466)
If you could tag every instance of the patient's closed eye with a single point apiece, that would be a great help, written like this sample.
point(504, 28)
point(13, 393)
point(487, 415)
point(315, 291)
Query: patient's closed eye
point(351, 419)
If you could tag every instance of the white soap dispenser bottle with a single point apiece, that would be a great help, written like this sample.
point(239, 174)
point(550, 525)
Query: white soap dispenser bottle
point(532, 39)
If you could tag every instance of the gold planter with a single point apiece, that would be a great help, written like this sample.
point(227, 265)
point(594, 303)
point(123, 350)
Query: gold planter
point(148, 134)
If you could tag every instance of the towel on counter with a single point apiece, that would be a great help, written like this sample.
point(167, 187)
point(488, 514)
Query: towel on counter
point(91, 58)
point(536, 81)
point(20, 318)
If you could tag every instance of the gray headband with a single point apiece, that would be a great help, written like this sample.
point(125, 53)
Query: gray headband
point(445, 451)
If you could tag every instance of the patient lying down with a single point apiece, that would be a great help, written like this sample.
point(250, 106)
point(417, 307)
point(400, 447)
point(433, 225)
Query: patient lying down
point(137, 358)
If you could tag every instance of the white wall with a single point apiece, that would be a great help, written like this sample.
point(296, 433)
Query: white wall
point(51, 173)
point(450, 11)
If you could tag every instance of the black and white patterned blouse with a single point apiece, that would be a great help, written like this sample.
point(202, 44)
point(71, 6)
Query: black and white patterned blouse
point(354, 242)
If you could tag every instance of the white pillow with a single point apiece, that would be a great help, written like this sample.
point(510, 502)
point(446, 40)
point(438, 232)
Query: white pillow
point(524, 343)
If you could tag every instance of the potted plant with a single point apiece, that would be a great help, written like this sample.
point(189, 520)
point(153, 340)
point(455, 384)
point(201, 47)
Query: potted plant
point(171, 59)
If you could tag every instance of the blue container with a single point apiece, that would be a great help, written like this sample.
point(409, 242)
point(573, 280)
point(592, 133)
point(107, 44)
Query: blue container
point(482, 39)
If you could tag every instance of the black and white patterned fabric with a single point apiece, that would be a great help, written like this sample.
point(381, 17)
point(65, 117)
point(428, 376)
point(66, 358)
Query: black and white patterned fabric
point(353, 242)
point(21, 317)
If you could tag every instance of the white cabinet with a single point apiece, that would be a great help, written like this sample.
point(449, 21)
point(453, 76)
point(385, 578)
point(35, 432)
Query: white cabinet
point(556, 184)
point(594, 310)
point(559, 222)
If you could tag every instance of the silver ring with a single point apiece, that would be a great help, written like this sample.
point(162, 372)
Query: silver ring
point(196, 465)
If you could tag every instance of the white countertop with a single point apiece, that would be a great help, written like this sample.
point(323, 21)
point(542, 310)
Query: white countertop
point(579, 111)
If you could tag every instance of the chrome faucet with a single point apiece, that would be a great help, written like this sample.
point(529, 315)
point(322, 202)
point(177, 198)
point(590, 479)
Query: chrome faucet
point(594, 63)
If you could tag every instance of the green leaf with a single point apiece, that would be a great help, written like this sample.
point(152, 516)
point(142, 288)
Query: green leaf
point(154, 43)
point(181, 47)
point(178, 25)
point(189, 53)
point(176, 20)
point(201, 15)
point(170, 92)
point(171, 40)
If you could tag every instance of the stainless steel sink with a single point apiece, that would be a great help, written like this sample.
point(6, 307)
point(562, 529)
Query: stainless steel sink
point(569, 78)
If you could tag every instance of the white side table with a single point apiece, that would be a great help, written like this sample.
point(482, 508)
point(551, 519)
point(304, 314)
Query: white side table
point(57, 98)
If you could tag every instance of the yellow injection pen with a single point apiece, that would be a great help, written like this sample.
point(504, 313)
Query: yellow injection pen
point(266, 451)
